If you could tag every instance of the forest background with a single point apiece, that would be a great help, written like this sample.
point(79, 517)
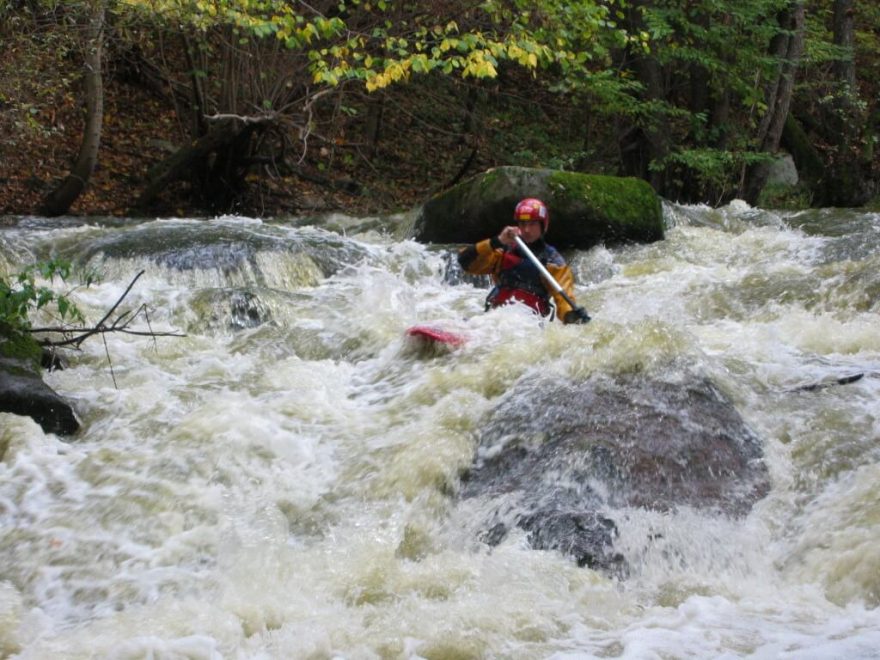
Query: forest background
point(276, 107)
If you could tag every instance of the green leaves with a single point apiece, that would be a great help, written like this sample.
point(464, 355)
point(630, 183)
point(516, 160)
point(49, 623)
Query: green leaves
point(22, 296)
point(392, 40)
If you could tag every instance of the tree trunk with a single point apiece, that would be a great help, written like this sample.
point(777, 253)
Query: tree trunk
point(786, 48)
point(198, 104)
point(720, 118)
point(656, 132)
point(811, 169)
point(58, 201)
point(845, 182)
point(844, 32)
point(373, 130)
point(646, 144)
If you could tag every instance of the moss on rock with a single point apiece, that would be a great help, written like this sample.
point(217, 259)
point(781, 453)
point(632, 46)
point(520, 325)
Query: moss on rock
point(629, 206)
point(20, 347)
point(781, 196)
point(22, 390)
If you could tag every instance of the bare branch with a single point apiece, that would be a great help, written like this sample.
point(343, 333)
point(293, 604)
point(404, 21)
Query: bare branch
point(90, 332)
point(109, 361)
point(121, 298)
point(73, 336)
point(244, 119)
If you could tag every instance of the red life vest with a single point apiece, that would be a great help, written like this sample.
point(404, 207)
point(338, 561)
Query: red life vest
point(519, 281)
point(504, 295)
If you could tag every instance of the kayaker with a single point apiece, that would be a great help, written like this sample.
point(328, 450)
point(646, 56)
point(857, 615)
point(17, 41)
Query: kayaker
point(516, 277)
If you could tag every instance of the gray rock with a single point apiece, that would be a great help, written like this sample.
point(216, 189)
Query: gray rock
point(559, 458)
point(782, 171)
point(230, 249)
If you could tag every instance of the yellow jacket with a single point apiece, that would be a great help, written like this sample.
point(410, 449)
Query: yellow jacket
point(509, 269)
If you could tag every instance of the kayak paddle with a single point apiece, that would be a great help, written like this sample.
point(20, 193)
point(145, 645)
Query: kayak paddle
point(581, 312)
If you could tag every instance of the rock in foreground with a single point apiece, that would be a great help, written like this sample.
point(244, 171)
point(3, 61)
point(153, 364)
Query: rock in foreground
point(559, 458)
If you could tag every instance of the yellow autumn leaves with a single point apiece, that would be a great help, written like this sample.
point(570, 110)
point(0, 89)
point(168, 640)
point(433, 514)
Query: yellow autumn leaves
point(379, 58)
point(470, 55)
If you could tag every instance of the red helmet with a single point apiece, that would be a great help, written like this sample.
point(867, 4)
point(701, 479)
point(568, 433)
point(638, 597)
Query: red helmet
point(532, 210)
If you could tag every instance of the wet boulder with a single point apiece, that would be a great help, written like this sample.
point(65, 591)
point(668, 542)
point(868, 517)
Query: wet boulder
point(23, 392)
point(234, 251)
point(559, 459)
point(585, 209)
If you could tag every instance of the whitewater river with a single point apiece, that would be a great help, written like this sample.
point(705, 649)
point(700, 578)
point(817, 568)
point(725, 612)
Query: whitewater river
point(280, 482)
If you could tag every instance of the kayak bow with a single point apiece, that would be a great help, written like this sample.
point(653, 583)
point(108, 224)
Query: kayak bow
point(434, 335)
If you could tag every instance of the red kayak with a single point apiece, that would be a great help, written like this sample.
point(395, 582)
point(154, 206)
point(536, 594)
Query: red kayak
point(435, 336)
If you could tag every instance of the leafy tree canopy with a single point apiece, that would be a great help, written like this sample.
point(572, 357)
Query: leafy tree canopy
point(384, 42)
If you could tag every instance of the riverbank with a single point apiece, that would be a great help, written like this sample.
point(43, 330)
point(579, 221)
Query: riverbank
point(349, 150)
point(346, 165)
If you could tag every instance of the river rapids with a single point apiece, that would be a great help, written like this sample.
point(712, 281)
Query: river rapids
point(279, 483)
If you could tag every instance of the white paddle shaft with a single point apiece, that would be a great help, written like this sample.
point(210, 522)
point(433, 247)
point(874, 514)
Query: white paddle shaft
point(580, 311)
point(546, 273)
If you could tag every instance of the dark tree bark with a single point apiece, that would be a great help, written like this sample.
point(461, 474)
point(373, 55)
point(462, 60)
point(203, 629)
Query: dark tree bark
point(721, 118)
point(809, 163)
point(198, 103)
point(845, 183)
point(58, 201)
point(375, 112)
point(226, 144)
point(787, 47)
point(656, 134)
point(642, 145)
point(844, 32)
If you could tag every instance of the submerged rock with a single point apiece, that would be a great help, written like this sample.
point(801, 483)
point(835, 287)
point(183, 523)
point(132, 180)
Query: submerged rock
point(234, 250)
point(585, 209)
point(559, 458)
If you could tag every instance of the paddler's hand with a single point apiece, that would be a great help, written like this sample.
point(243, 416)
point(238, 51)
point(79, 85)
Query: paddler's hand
point(576, 315)
point(508, 235)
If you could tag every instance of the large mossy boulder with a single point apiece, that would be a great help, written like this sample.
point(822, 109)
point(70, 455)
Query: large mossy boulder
point(585, 209)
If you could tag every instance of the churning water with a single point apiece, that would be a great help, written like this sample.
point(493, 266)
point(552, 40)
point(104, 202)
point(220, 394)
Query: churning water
point(279, 483)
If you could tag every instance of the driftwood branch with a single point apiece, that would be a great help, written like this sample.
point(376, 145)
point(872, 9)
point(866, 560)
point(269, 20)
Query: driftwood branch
point(267, 118)
point(76, 336)
point(842, 380)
